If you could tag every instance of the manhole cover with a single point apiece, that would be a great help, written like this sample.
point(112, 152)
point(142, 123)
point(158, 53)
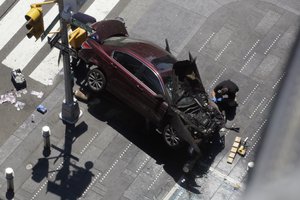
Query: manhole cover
point(29, 166)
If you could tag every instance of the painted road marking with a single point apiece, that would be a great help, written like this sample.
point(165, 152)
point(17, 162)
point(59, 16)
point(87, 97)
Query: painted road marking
point(1, 2)
point(44, 184)
point(22, 54)
point(155, 179)
point(48, 69)
point(268, 103)
point(254, 45)
point(259, 128)
point(253, 146)
point(101, 8)
point(248, 61)
point(142, 164)
point(261, 102)
point(218, 77)
point(14, 20)
point(88, 144)
point(222, 51)
point(275, 40)
point(250, 94)
point(205, 43)
point(278, 81)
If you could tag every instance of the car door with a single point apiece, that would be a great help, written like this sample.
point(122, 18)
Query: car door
point(152, 94)
point(122, 81)
point(131, 85)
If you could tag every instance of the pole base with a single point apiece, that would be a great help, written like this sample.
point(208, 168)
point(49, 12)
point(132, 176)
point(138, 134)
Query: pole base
point(70, 113)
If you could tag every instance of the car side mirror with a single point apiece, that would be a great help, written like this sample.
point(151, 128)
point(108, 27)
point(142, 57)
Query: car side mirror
point(159, 97)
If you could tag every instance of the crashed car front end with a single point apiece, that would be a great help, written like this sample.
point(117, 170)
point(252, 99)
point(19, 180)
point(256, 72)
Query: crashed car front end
point(194, 117)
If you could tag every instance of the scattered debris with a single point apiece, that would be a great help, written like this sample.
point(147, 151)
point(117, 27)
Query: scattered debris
point(19, 105)
point(24, 91)
point(8, 97)
point(50, 81)
point(20, 92)
point(18, 79)
point(38, 94)
point(236, 186)
point(234, 150)
point(42, 109)
point(242, 148)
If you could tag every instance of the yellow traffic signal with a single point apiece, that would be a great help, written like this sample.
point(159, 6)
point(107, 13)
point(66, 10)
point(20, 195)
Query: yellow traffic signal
point(35, 22)
point(77, 37)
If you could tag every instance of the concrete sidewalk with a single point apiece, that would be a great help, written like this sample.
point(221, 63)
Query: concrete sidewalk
point(67, 171)
point(90, 160)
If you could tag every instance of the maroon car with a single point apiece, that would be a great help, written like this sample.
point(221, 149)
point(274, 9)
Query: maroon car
point(167, 92)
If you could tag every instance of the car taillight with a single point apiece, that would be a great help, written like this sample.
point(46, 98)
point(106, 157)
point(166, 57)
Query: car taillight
point(85, 45)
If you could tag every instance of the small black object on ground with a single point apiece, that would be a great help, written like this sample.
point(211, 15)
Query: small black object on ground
point(18, 79)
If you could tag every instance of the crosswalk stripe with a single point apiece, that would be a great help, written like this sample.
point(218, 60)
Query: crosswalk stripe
point(48, 69)
point(1, 2)
point(21, 55)
point(13, 20)
point(100, 8)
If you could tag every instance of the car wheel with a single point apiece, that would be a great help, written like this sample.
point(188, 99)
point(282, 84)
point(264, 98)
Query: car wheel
point(96, 80)
point(170, 137)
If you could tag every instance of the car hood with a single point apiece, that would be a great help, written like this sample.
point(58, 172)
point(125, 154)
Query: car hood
point(193, 116)
point(187, 73)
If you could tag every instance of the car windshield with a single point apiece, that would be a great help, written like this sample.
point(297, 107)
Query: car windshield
point(164, 63)
point(164, 66)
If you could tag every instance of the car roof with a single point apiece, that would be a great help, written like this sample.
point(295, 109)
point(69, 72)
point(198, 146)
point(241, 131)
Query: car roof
point(145, 49)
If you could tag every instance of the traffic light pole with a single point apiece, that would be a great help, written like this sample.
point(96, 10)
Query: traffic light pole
point(70, 108)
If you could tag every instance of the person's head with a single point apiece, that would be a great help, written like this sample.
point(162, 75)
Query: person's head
point(223, 91)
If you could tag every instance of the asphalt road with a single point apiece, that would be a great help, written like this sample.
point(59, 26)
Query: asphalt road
point(245, 41)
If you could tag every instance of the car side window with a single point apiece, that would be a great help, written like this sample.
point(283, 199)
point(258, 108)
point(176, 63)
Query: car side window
point(139, 70)
point(128, 62)
point(150, 79)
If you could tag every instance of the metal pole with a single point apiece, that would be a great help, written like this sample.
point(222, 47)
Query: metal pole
point(46, 136)
point(70, 109)
point(65, 56)
point(9, 175)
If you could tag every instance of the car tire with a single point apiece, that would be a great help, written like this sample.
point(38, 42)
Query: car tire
point(171, 138)
point(96, 80)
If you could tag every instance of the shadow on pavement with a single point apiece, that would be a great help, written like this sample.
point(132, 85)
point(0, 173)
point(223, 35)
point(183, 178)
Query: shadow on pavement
point(132, 126)
point(10, 195)
point(201, 167)
point(69, 181)
point(40, 170)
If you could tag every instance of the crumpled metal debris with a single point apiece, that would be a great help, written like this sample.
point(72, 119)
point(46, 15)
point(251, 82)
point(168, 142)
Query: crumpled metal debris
point(19, 105)
point(38, 94)
point(8, 97)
